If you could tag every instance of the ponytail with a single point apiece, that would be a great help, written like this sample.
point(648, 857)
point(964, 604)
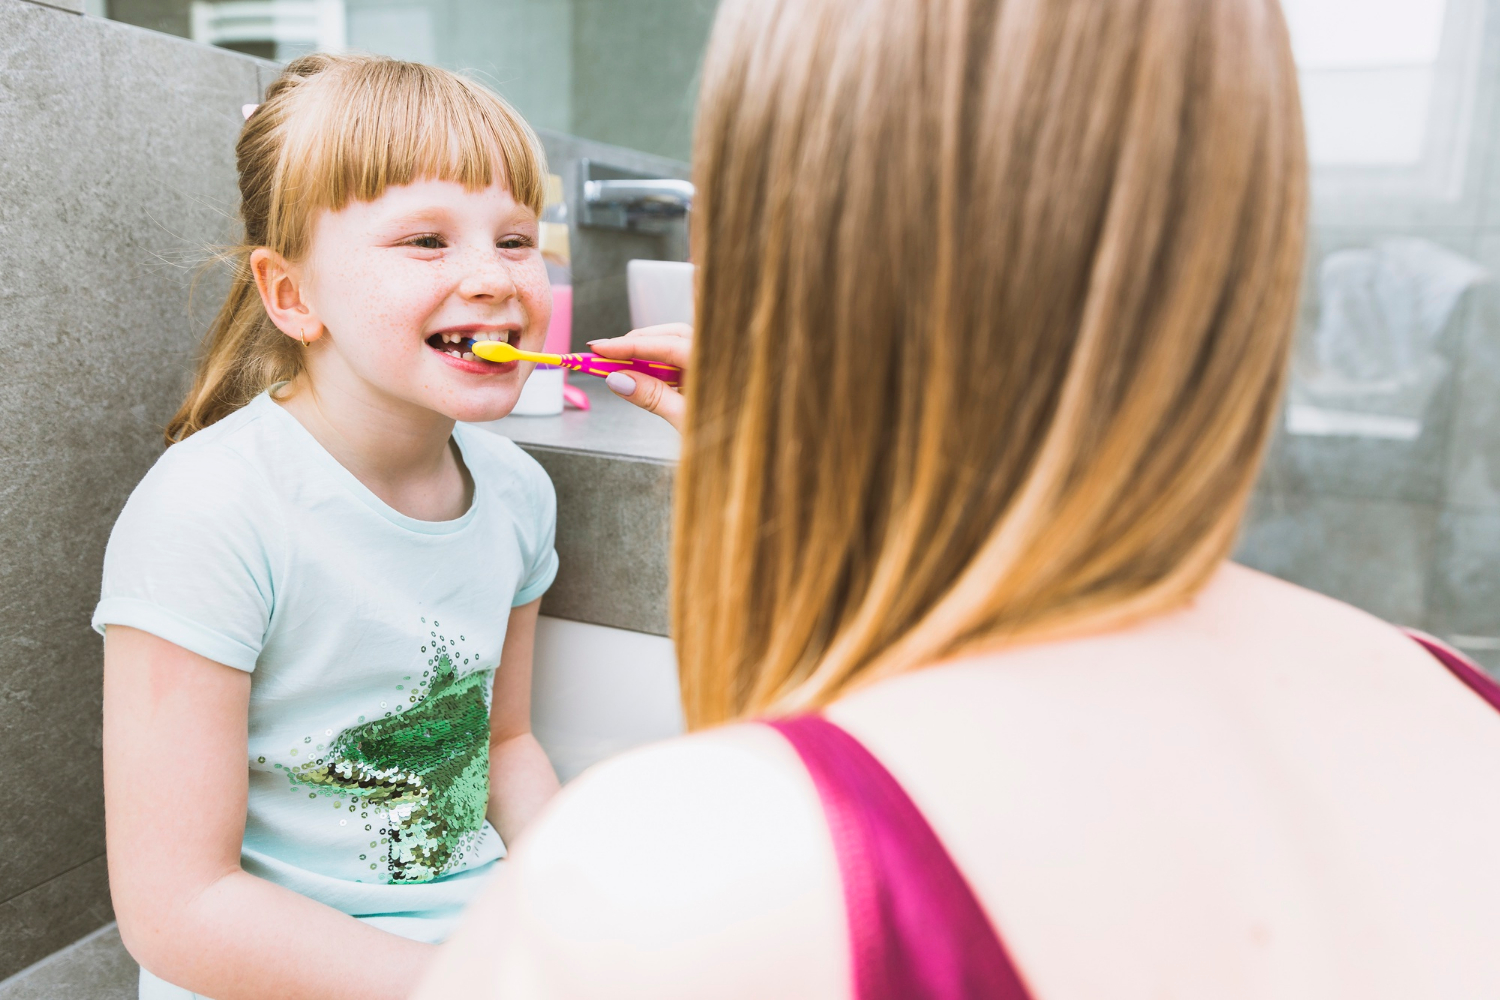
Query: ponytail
point(244, 354)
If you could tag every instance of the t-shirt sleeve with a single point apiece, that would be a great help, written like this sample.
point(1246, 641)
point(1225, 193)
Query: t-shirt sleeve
point(538, 537)
point(190, 559)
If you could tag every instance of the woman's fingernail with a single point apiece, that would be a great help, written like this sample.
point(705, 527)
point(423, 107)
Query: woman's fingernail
point(601, 340)
point(620, 383)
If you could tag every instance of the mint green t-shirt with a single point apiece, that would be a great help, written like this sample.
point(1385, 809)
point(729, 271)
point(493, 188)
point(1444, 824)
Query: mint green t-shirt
point(371, 638)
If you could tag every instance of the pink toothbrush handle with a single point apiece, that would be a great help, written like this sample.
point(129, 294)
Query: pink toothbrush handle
point(592, 364)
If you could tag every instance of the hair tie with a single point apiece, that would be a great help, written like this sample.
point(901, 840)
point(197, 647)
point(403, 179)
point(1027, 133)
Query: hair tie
point(248, 110)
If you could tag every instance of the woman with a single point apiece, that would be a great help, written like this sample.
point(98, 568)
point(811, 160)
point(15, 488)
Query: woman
point(994, 305)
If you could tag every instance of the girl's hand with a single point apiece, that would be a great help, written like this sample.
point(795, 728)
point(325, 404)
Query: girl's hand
point(670, 343)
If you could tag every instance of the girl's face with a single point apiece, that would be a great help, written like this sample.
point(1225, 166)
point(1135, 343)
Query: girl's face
point(402, 286)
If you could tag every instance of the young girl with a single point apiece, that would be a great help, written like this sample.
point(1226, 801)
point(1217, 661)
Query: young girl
point(327, 577)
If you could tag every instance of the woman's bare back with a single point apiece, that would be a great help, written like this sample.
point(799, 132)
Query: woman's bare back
point(1266, 794)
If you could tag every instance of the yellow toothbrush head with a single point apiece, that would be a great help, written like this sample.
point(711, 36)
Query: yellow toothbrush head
point(498, 351)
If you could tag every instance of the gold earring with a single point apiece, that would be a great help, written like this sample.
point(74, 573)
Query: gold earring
point(302, 336)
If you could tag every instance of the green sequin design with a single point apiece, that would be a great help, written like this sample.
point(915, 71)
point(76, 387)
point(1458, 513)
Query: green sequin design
point(427, 767)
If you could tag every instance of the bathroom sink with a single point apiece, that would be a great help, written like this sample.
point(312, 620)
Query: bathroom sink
point(661, 291)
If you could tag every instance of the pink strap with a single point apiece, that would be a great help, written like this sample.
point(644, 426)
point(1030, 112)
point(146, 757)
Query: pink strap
point(915, 928)
point(1462, 667)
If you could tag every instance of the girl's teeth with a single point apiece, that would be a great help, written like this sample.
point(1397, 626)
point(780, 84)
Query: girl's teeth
point(458, 338)
point(478, 336)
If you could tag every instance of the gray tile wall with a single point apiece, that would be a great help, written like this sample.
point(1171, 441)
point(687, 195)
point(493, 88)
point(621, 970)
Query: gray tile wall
point(94, 968)
point(614, 520)
point(1409, 530)
point(116, 175)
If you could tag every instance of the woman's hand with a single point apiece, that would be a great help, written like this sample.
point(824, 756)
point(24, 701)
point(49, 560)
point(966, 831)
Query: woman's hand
point(671, 344)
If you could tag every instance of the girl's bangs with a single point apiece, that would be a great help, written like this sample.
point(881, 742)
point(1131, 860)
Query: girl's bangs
point(379, 124)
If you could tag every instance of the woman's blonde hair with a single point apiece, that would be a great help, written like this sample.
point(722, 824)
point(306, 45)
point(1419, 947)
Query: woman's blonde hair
point(335, 129)
point(994, 304)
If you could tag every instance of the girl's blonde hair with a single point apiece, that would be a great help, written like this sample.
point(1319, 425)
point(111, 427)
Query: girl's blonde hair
point(994, 304)
point(335, 129)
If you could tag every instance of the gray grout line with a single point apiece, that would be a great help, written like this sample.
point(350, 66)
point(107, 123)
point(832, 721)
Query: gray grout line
point(56, 955)
point(65, 10)
point(51, 878)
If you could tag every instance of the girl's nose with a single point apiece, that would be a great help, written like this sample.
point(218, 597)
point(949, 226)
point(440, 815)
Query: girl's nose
point(487, 281)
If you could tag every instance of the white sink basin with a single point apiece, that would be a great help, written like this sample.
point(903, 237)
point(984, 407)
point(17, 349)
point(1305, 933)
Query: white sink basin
point(661, 291)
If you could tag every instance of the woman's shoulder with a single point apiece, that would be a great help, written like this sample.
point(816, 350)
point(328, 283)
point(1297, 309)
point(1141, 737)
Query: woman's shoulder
point(1268, 647)
point(1274, 622)
point(704, 854)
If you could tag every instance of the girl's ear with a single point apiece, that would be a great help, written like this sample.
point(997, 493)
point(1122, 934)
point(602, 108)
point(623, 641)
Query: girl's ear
point(280, 286)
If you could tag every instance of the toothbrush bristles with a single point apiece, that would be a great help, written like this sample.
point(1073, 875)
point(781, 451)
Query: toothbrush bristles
point(498, 351)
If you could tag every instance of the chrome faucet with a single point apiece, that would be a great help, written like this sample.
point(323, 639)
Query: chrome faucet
point(616, 198)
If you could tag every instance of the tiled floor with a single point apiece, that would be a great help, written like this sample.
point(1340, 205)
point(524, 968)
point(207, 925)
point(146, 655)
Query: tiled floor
point(96, 968)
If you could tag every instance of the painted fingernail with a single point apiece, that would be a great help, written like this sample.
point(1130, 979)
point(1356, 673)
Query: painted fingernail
point(601, 340)
point(620, 383)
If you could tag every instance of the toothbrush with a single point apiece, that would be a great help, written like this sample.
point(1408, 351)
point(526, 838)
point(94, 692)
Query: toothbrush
point(589, 364)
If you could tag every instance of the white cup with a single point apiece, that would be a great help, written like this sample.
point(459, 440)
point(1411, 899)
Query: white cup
point(542, 395)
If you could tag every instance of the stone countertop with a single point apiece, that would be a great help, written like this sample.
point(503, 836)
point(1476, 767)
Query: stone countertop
point(613, 468)
point(613, 427)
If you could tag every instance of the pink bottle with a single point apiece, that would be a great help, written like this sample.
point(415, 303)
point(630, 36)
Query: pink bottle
point(547, 389)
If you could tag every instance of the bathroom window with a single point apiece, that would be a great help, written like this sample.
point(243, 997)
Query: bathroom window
point(1388, 92)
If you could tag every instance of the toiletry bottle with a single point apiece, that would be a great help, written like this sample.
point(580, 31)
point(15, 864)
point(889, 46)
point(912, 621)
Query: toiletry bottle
point(544, 390)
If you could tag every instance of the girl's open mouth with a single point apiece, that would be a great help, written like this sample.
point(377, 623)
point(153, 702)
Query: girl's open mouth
point(459, 344)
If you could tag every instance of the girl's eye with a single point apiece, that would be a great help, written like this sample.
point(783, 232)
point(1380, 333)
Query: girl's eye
point(428, 242)
point(516, 243)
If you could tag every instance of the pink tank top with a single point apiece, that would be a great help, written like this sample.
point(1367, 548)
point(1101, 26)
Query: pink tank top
point(916, 930)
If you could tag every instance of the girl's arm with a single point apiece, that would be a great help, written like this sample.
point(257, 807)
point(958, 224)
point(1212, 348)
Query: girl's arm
point(175, 787)
point(521, 777)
